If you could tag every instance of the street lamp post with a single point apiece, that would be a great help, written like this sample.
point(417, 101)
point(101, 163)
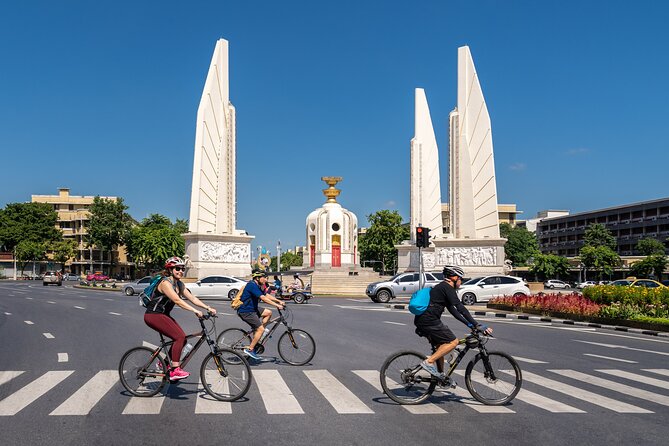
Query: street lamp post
point(278, 256)
point(14, 263)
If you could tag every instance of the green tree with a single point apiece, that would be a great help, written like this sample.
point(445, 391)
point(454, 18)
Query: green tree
point(650, 246)
point(288, 259)
point(651, 265)
point(378, 243)
point(549, 266)
point(29, 222)
point(155, 240)
point(520, 245)
point(63, 251)
point(597, 235)
point(600, 258)
point(28, 251)
point(109, 224)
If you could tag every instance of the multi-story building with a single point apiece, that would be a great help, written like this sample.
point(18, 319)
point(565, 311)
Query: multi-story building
point(73, 216)
point(628, 223)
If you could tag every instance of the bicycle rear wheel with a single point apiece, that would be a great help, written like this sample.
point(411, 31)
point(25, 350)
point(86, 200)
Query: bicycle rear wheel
point(403, 379)
point(297, 347)
point(494, 379)
point(233, 338)
point(226, 376)
point(139, 374)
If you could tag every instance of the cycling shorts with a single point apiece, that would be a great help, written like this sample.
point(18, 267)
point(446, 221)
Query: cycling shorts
point(253, 319)
point(437, 333)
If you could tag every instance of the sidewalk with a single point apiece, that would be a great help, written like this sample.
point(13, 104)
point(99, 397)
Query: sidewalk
point(527, 317)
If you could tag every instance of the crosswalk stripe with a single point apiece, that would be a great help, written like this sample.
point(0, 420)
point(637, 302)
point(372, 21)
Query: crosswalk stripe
point(23, 397)
point(9, 375)
point(664, 372)
point(584, 395)
point(205, 403)
point(372, 377)
point(341, 399)
point(275, 393)
point(634, 377)
point(610, 358)
point(139, 405)
point(63, 357)
point(469, 401)
point(624, 347)
point(617, 387)
point(88, 395)
point(537, 400)
point(528, 360)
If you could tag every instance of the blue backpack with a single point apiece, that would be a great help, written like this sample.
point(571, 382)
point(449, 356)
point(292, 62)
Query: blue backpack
point(146, 295)
point(419, 301)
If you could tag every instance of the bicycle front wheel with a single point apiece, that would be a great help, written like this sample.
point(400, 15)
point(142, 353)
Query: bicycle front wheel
point(403, 379)
point(226, 376)
point(233, 338)
point(140, 375)
point(297, 347)
point(493, 379)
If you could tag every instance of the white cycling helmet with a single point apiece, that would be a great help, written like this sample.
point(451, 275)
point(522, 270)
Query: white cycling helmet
point(450, 271)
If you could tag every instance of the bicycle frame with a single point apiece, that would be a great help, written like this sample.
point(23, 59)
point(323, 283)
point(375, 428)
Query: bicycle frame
point(203, 335)
point(461, 352)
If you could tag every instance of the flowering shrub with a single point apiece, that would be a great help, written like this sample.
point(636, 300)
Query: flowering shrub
point(556, 303)
point(632, 295)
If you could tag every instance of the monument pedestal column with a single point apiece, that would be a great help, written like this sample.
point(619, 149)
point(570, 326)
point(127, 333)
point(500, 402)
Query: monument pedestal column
point(225, 254)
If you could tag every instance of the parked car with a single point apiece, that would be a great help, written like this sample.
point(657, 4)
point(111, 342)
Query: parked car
point(52, 277)
point(403, 284)
point(137, 287)
point(97, 277)
point(665, 283)
point(551, 284)
point(216, 287)
point(647, 283)
point(70, 276)
point(586, 284)
point(482, 289)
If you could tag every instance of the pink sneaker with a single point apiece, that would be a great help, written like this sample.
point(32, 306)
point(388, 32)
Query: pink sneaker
point(178, 373)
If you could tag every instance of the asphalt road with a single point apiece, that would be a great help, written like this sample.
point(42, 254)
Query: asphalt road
point(61, 347)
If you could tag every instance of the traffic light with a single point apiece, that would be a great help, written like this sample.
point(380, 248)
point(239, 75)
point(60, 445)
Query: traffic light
point(422, 237)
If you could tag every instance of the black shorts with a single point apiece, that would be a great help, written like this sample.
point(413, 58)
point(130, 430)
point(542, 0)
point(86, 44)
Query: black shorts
point(253, 319)
point(437, 333)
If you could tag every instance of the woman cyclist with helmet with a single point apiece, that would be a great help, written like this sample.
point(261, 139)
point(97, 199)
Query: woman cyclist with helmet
point(429, 324)
point(170, 291)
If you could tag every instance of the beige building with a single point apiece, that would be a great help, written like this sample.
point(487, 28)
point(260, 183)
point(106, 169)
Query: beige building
point(73, 215)
point(506, 212)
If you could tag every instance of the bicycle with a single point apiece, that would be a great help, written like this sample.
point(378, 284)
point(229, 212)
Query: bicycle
point(493, 378)
point(296, 346)
point(225, 374)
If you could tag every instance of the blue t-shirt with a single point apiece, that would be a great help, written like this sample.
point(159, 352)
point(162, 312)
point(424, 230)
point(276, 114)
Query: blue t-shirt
point(250, 298)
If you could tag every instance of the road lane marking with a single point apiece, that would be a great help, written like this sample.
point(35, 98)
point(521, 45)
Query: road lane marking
point(48, 335)
point(63, 357)
point(372, 377)
point(276, 395)
point(29, 298)
point(584, 395)
point(148, 344)
point(360, 308)
point(139, 405)
point(615, 386)
point(111, 300)
point(79, 308)
point(610, 358)
point(29, 322)
point(9, 375)
point(17, 401)
point(88, 395)
point(115, 314)
point(634, 377)
point(528, 360)
point(205, 403)
point(394, 323)
point(664, 372)
point(50, 302)
point(623, 347)
point(340, 397)
point(8, 314)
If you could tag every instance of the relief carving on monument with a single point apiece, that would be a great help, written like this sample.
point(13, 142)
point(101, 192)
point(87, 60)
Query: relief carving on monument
point(428, 260)
point(225, 252)
point(470, 256)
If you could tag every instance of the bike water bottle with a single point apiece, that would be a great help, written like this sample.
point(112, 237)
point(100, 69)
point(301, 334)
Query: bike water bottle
point(264, 335)
point(186, 350)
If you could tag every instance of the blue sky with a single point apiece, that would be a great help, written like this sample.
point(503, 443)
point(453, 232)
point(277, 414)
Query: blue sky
point(101, 97)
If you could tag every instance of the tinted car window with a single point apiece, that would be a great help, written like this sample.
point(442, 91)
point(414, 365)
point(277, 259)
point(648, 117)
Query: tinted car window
point(225, 280)
point(209, 280)
point(429, 276)
point(438, 276)
point(145, 280)
point(409, 278)
point(507, 280)
point(645, 283)
point(472, 281)
point(491, 281)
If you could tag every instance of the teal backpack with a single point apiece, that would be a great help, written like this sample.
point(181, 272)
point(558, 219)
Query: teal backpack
point(146, 295)
point(419, 301)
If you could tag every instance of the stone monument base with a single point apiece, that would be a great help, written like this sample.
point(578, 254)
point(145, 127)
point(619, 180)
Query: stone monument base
point(478, 257)
point(214, 254)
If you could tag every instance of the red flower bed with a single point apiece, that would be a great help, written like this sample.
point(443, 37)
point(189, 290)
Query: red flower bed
point(554, 303)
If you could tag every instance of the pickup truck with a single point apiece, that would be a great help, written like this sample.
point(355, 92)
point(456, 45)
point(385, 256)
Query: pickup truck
point(403, 284)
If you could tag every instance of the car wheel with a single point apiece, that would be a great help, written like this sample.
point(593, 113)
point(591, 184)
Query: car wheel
point(232, 293)
point(519, 294)
point(550, 287)
point(129, 291)
point(374, 299)
point(383, 296)
point(299, 298)
point(44, 283)
point(469, 299)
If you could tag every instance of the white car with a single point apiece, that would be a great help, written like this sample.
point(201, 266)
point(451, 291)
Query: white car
point(482, 289)
point(216, 287)
point(586, 284)
point(550, 284)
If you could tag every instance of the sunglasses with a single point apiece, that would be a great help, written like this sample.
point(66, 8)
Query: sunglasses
point(179, 268)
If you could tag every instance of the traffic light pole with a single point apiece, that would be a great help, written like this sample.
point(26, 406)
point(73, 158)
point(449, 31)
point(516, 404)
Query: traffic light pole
point(421, 281)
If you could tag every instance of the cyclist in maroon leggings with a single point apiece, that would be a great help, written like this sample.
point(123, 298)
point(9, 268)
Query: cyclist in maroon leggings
point(170, 291)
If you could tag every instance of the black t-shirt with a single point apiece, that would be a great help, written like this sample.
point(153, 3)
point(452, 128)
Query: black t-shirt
point(162, 304)
point(443, 295)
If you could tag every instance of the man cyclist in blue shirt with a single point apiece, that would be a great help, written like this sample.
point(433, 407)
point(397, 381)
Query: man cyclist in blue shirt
point(251, 314)
point(429, 324)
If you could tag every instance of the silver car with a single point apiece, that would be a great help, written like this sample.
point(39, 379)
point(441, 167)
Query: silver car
point(137, 287)
point(404, 284)
point(482, 289)
point(216, 287)
point(52, 277)
point(550, 284)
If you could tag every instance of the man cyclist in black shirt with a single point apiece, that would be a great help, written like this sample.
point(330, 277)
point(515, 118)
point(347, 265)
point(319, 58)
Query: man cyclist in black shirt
point(429, 323)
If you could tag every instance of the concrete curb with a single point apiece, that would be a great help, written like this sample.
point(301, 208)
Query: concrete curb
point(527, 317)
point(96, 288)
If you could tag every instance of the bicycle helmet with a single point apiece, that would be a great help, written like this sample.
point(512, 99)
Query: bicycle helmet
point(174, 261)
point(450, 271)
point(258, 273)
